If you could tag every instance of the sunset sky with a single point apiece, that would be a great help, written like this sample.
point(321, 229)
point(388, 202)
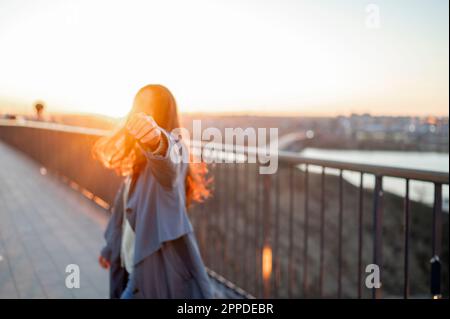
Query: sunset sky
point(316, 57)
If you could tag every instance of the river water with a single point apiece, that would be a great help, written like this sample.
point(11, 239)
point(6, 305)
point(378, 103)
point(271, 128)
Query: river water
point(419, 191)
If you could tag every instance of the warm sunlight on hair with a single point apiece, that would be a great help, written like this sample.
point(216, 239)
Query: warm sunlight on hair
point(121, 152)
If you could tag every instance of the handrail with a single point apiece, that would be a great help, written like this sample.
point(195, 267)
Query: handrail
point(53, 127)
point(284, 156)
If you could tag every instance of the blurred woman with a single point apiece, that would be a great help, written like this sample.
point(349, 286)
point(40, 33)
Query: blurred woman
point(151, 250)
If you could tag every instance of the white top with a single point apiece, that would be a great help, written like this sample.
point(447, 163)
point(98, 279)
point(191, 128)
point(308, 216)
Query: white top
point(128, 235)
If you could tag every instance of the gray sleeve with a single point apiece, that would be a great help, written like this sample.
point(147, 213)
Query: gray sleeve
point(106, 252)
point(165, 166)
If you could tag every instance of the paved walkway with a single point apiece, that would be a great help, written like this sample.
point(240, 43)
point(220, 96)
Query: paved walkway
point(45, 226)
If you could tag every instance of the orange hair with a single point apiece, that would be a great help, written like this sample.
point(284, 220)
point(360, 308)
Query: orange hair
point(121, 153)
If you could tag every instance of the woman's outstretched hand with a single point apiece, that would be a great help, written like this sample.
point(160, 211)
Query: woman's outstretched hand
point(104, 263)
point(144, 128)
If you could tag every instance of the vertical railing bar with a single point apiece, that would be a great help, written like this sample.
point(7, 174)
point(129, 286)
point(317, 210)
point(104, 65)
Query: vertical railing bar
point(246, 227)
point(340, 224)
point(203, 227)
point(214, 225)
point(276, 235)
point(209, 209)
point(360, 231)
point(256, 232)
point(224, 209)
point(305, 234)
point(435, 282)
point(206, 227)
point(406, 222)
point(291, 233)
point(266, 240)
point(235, 221)
point(322, 232)
point(437, 218)
point(227, 223)
point(219, 222)
point(377, 232)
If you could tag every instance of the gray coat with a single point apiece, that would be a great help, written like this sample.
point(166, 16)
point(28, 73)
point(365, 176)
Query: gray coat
point(167, 262)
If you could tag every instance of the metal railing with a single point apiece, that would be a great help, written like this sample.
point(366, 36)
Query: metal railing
point(302, 232)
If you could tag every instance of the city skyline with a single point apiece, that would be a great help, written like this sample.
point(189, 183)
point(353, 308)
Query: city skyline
point(303, 58)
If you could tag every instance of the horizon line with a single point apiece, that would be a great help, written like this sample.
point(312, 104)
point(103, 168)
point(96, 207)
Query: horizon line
point(243, 114)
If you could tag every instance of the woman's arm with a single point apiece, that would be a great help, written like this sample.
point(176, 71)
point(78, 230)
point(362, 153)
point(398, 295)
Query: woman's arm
point(158, 147)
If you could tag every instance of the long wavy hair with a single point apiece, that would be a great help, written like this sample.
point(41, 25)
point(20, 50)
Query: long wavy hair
point(120, 152)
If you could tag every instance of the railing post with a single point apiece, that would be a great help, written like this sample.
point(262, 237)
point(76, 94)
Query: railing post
point(377, 231)
point(256, 232)
point(435, 282)
point(267, 248)
point(322, 233)
point(247, 223)
point(276, 256)
point(203, 223)
point(221, 223)
point(236, 216)
point(340, 230)
point(360, 232)
point(291, 277)
point(406, 221)
point(226, 222)
point(305, 234)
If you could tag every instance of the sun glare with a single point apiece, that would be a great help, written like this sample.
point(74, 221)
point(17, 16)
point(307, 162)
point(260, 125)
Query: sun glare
point(113, 110)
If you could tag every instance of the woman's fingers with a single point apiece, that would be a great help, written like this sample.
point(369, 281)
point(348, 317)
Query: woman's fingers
point(140, 125)
point(135, 122)
point(131, 122)
point(152, 137)
point(100, 262)
point(103, 262)
point(144, 130)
